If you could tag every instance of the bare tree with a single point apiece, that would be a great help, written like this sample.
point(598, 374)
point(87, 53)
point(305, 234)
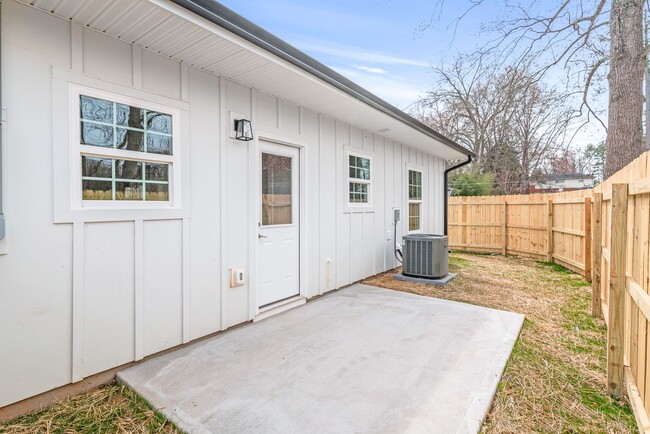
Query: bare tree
point(580, 37)
point(540, 125)
point(510, 121)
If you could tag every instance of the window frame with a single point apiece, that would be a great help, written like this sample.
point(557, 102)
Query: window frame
point(77, 150)
point(354, 153)
point(410, 201)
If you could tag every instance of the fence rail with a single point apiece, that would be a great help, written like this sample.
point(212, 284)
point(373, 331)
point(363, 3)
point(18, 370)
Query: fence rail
point(604, 234)
point(548, 227)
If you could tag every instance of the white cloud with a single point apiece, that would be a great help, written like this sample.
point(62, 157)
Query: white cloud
point(346, 52)
point(371, 69)
point(395, 90)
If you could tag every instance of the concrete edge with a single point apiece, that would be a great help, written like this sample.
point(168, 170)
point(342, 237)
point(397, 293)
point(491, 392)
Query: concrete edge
point(478, 409)
point(157, 404)
point(442, 300)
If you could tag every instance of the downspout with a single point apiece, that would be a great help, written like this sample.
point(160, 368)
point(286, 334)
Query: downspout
point(2, 124)
point(446, 192)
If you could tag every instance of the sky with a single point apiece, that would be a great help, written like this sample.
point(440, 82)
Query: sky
point(380, 44)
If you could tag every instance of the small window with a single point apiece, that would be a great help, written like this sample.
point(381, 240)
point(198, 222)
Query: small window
point(358, 180)
point(126, 151)
point(415, 200)
point(276, 189)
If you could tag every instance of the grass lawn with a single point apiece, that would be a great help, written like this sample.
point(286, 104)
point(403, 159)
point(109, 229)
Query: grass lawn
point(554, 382)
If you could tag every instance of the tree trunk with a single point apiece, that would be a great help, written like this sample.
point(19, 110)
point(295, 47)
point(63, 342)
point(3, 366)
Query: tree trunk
point(627, 61)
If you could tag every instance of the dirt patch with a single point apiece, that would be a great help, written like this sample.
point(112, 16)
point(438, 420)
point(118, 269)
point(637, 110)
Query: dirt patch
point(555, 380)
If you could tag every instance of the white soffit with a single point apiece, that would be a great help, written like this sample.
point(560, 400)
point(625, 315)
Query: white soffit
point(172, 31)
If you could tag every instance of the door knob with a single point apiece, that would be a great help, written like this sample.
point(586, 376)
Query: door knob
point(261, 236)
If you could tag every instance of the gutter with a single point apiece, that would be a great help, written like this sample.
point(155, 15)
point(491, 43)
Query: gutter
point(2, 124)
point(446, 192)
point(245, 29)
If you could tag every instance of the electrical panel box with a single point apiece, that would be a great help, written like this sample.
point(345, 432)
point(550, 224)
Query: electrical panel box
point(395, 215)
point(237, 277)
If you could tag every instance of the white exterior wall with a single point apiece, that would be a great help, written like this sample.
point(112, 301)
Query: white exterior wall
point(83, 292)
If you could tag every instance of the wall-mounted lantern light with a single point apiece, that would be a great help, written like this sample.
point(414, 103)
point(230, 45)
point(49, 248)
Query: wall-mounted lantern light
point(243, 130)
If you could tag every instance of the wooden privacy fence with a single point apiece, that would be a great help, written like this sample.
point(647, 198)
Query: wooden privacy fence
point(602, 233)
point(621, 281)
point(548, 227)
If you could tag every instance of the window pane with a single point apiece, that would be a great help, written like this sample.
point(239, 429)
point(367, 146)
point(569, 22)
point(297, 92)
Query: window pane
point(156, 172)
point(415, 185)
point(96, 135)
point(96, 167)
point(127, 169)
point(358, 193)
point(158, 144)
point(157, 192)
point(364, 173)
point(128, 116)
point(128, 191)
point(159, 122)
point(95, 109)
point(112, 125)
point(359, 167)
point(414, 216)
point(130, 140)
point(97, 190)
point(276, 190)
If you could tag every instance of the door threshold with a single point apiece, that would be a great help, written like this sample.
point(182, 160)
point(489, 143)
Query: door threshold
point(280, 306)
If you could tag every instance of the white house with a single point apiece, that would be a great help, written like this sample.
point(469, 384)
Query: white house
point(557, 182)
point(133, 220)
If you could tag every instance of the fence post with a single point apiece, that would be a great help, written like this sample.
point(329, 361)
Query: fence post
point(616, 326)
point(463, 219)
point(588, 239)
point(597, 230)
point(504, 229)
point(549, 230)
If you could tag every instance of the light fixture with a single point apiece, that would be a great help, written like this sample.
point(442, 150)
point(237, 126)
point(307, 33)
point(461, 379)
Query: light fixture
point(243, 130)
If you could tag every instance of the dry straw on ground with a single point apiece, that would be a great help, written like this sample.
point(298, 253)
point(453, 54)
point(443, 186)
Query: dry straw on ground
point(555, 381)
point(109, 409)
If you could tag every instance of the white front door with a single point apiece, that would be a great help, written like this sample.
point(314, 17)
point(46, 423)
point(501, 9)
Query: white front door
point(279, 224)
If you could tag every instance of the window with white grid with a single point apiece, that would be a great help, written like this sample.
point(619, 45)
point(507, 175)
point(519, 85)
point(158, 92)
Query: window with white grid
point(359, 180)
point(415, 200)
point(126, 150)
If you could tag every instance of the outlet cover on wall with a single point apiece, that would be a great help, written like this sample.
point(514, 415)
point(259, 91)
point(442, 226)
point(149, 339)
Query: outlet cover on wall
point(237, 277)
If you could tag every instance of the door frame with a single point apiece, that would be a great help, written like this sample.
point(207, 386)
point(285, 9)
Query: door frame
point(254, 194)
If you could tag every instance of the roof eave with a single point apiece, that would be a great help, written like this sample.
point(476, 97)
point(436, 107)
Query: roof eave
point(245, 29)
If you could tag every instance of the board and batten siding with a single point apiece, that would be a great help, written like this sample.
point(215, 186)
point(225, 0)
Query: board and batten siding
point(79, 296)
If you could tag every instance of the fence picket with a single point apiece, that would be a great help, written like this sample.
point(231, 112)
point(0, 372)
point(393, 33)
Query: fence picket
point(602, 233)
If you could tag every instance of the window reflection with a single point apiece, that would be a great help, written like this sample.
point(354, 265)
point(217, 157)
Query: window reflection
point(107, 124)
point(276, 190)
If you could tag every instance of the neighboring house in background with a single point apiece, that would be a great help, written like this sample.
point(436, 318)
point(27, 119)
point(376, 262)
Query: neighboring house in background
point(136, 221)
point(556, 182)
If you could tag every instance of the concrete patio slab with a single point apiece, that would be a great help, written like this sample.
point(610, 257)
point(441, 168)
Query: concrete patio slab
point(361, 359)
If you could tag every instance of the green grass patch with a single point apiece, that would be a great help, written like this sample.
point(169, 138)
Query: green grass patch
point(557, 268)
